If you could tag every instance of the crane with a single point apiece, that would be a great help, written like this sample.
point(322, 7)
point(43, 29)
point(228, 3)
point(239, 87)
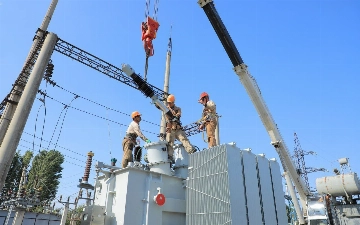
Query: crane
point(252, 89)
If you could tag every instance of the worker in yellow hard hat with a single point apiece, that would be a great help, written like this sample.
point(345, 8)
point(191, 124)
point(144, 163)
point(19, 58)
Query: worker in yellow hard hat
point(129, 141)
point(174, 129)
point(209, 118)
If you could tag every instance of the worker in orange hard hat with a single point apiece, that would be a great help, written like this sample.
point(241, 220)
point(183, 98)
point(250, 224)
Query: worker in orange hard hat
point(174, 129)
point(209, 117)
point(129, 141)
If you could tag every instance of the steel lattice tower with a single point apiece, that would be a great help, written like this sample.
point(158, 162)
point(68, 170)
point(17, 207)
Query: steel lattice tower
point(300, 160)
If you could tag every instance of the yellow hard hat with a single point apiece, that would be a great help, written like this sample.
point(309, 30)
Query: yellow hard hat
point(171, 98)
point(135, 114)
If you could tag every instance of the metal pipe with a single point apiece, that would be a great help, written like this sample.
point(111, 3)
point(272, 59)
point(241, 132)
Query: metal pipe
point(15, 97)
point(291, 189)
point(166, 90)
point(64, 215)
point(217, 133)
point(16, 127)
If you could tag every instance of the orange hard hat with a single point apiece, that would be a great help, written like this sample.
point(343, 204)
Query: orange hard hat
point(171, 98)
point(135, 114)
point(204, 94)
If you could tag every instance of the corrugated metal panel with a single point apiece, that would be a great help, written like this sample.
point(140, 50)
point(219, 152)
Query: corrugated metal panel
point(32, 218)
point(208, 197)
point(278, 193)
point(236, 186)
point(32, 222)
point(267, 198)
point(224, 187)
point(252, 188)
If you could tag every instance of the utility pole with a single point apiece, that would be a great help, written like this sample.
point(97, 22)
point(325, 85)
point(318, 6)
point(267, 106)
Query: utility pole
point(166, 89)
point(11, 102)
point(21, 114)
point(15, 94)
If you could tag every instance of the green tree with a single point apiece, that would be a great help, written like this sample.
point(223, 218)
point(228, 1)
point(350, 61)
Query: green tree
point(13, 177)
point(45, 174)
point(74, 215)
point(26, 158)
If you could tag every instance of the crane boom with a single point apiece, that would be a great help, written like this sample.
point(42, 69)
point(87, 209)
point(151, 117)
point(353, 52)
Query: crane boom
point(253, 91)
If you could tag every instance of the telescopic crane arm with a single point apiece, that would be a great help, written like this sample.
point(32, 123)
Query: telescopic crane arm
point(146, 89)
point(252, 89)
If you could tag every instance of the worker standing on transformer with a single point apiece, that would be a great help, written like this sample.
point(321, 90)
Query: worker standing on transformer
point(129, 141)
point(208, 119)
point(174, 129)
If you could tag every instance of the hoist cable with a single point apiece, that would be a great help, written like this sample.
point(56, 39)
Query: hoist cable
point(147, 11)
point(156, 9)
point(146, 66)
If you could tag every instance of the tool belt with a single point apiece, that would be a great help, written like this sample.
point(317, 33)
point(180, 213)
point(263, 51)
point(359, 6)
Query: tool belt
point(132, 137)
point(172, 126)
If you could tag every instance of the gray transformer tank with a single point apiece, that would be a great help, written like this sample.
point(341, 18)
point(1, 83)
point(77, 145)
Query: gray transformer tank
point(220, 185)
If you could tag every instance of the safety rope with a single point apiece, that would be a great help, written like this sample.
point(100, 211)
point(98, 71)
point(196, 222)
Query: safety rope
point(203, 136)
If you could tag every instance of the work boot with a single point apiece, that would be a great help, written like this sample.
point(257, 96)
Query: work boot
point(171, 159)
point(193, 150)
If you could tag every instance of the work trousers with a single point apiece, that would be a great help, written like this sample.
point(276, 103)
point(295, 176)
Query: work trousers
point(128, 146)
point(210, 132)
point(180, 135)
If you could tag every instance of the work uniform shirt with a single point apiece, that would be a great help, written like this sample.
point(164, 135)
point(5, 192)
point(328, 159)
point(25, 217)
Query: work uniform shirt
point(209, 111)
point(176, 111)
point(134, 131)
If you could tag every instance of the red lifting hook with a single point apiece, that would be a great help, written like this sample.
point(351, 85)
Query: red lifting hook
point(149, 29)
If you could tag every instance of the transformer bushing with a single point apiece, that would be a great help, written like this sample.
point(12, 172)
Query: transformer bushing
point(157, 157)
point(181, 161)
point(84, 182)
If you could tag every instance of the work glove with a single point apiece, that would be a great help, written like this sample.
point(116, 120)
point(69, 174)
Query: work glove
point(148, 141)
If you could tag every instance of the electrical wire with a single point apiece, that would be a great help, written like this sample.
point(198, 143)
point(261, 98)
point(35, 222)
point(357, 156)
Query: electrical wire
point(61, 153)
point(43, 127)
point(99, 104)
point(66, 107)
point(109, 133)
point(58, 146)
point(92, 114)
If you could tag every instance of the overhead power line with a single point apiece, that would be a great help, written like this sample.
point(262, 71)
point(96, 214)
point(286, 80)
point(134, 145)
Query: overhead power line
point(92, 114)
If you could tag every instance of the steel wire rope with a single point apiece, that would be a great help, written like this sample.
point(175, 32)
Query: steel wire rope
point(99, 104)
point(92, 114)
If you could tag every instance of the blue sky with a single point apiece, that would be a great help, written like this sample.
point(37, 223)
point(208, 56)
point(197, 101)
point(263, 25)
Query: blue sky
point(303, 54)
